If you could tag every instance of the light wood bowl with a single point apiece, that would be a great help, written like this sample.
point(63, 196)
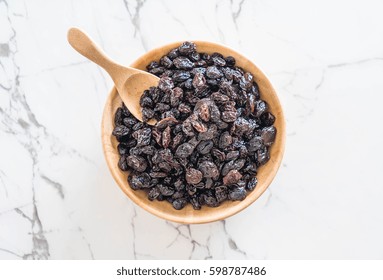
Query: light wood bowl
point(188, 215)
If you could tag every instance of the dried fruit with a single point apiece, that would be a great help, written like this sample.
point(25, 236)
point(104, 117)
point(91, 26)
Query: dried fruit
point(165, 83)
point(204, 147)
point(193, 176)
point(199, 81)
point(213, 72)
point(232, 177)
point(237, 194)
point(225, 140)
point(180, 76)
point(209, 169)
point(184, 150)
point(180, 203)
point(183, 63)
point(166, 61)
point(213, 131)
point(252, 184)
point(137, 163)
point(268, 135)
point(267, 119)
point(187, 48)
point(143, 136)
point(229, 116)
point(140, 181)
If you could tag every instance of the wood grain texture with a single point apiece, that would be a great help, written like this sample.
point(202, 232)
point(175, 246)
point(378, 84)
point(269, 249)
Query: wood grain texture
point(188, 215)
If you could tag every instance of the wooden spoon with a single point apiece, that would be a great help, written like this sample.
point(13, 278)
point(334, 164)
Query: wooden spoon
point(130, 82)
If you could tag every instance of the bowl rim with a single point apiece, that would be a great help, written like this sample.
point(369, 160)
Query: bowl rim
point(237, 206)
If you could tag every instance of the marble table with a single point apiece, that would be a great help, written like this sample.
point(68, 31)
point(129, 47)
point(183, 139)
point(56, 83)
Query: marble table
point(57, 197)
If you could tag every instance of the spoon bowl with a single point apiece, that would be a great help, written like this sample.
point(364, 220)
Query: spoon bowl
point(130, 82)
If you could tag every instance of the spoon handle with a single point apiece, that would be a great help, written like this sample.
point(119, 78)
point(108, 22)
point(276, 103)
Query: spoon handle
point(82, 43)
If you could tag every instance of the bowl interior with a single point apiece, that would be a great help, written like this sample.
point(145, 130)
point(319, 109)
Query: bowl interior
point(188, 215)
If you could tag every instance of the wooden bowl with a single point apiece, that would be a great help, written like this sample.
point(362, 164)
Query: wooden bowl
point(188, 215)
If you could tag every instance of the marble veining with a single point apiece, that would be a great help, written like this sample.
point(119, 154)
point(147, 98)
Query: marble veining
point(57, 198)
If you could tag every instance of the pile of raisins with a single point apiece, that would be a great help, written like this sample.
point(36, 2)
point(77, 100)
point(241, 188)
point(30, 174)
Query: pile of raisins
point(213, 131)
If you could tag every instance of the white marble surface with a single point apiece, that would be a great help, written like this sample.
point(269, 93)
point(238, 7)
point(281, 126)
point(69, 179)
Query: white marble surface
point(57, 198)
